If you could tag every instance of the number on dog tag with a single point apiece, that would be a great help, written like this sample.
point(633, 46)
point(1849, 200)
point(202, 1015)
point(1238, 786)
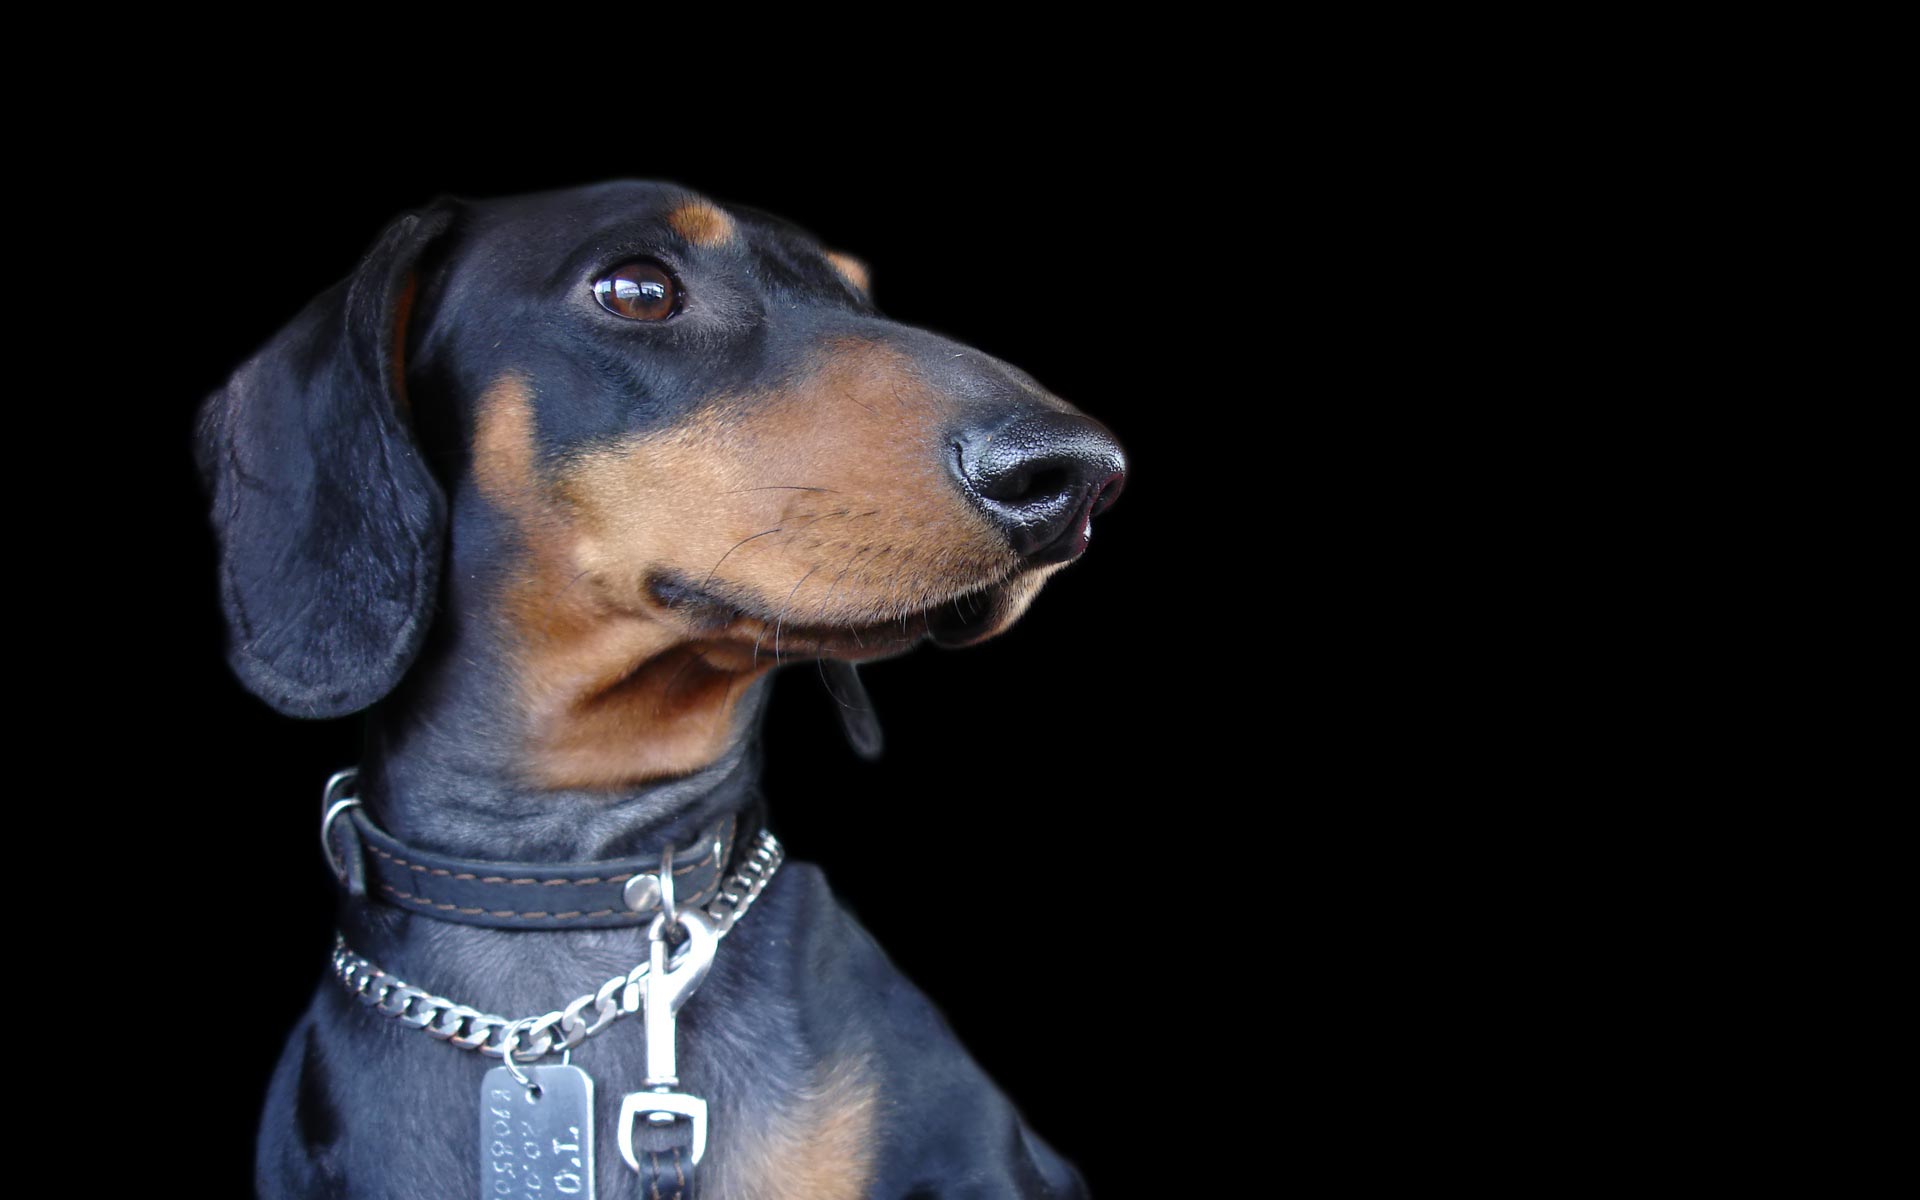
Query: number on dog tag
point(536, 1146)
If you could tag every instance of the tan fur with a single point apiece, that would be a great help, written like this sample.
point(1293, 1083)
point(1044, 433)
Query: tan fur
point(879, 531)
point(819, 1148)
point(702, 224)
point(851, 269)
point(827, 505)
point(609, 696)
point(503, 446)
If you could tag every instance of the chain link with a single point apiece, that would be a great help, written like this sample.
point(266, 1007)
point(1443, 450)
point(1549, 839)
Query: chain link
point(532, 1038)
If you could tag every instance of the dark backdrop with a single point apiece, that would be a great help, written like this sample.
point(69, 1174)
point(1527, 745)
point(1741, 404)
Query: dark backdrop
point(1102, 736)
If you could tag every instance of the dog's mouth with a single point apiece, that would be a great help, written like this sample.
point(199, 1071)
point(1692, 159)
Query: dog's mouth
point(720, 613)
point(978, 615)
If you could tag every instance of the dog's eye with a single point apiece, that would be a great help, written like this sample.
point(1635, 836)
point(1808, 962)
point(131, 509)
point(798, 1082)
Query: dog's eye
point(640, 290)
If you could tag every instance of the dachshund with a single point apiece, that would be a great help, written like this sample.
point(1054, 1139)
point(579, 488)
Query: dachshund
point(547, 489)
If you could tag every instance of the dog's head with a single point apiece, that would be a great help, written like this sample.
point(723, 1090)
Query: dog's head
point(645, 447)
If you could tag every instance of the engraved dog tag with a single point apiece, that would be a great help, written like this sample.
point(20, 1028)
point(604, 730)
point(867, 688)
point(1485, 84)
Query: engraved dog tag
point(536, 1146)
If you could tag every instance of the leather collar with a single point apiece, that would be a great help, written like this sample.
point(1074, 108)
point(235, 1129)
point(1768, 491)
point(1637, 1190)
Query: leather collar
point(509, 895)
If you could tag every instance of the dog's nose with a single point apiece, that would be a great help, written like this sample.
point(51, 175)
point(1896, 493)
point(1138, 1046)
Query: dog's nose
point(1041, 479)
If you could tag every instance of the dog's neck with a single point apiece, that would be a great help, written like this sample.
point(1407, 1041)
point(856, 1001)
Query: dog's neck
point(437, 779)
point(460, 759)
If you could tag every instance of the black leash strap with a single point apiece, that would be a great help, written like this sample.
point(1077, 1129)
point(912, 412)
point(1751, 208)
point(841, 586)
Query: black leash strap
point(665, 1155)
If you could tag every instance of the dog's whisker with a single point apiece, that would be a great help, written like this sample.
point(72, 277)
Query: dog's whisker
point(782, 614)
point(817, 518)
point(827, 604)
point(743, 541)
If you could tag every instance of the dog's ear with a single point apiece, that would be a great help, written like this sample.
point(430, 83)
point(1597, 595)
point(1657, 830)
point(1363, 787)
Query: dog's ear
point(331, 528)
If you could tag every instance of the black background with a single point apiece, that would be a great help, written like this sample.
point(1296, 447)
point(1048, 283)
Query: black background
point(1334, 765)
point(1042, 847)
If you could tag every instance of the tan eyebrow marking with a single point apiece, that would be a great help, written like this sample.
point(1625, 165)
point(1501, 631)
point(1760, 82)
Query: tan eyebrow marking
point(702, 224)
point(851, 269)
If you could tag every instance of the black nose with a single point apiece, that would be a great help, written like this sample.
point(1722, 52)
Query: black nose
point(1041, 479)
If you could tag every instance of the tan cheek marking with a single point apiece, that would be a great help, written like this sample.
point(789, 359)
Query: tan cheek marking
point(820, 1148)
point(503, 444)
point(851, 269)
point(830, 502)
point(609, 696)
point(702, 224)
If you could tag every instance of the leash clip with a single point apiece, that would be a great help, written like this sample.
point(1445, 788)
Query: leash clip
point(666, 986)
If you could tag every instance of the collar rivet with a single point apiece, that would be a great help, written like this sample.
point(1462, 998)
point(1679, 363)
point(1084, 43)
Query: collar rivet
point(642, 892)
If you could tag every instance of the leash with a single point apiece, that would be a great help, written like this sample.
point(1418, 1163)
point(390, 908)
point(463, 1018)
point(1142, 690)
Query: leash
point(536, 1121)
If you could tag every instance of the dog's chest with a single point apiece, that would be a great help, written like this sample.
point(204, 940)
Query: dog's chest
point(799, 1135)
point(390, 1112)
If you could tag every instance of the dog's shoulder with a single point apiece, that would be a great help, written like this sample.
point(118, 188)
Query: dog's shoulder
point(939, 1118)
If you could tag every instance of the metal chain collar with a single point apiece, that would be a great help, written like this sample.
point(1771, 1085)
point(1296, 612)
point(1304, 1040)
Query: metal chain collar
point(563, 1029)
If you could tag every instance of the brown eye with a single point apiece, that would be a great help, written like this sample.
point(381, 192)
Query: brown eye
point(640, 290)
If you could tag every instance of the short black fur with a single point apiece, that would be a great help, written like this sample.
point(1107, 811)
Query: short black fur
point(330, 459)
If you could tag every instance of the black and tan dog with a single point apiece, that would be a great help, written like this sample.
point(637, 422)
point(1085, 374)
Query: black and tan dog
point(547, 487)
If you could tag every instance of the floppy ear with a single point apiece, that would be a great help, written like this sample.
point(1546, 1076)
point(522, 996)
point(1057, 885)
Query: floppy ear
point(330, 526)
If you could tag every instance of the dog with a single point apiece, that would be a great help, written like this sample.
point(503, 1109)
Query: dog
point(546, 489)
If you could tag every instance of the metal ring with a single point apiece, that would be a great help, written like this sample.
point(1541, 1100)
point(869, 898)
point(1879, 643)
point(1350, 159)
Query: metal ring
point(510, 1042)
point(338, 782)
point(326, 829)
point(666, 888)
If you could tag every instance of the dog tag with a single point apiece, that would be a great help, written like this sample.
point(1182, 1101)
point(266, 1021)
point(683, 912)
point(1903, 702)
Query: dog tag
point(536, 1144)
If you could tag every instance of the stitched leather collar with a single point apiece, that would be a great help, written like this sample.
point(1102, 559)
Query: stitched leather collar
point(507, 895)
